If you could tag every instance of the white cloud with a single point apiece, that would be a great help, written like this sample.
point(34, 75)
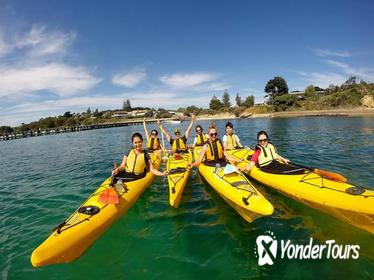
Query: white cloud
point(61, 79)
point(326, 52)
point(323, 80)
point(4, 48)
point(363, 73)
point(131, 79)
point(180, 80)
point(41, 42)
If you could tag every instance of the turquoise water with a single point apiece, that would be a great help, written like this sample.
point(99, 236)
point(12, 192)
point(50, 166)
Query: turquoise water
point(44, 179)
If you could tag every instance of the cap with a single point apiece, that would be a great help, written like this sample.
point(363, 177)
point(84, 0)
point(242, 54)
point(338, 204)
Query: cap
point(177, 130)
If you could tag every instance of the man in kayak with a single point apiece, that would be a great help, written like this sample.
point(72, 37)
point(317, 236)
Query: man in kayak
point(179, 143)
point(137, 162)
point(266, 157)
point(153, 142)
point(213, 152)
point(201, 138)
point(230, 140)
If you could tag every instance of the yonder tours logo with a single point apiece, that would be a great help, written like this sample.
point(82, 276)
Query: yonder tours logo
point(267, 247)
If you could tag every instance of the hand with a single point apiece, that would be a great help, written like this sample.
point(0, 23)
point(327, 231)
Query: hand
point(158, 122)
point(193, 117)
point(144, 120)
point(286, 161)
point(114, 171)
point(165, 173)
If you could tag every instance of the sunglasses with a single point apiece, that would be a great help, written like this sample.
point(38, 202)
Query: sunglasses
point(153, 133)
point(213, 134)
point(262, 140)
point(199, 130)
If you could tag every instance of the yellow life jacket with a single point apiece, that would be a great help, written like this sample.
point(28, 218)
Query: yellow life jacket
point(201, 139)
point(267, 155)
point(231, 141)
point(214, 151)
point(153, 143)
point(179, 145)
point(136, 163)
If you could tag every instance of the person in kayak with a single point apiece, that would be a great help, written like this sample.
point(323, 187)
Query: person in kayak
point(213, 152)
point(201, 138)
point(153, 142)
point(179, 143)
point(230, 140)
point(267, 157)
point(137, 162)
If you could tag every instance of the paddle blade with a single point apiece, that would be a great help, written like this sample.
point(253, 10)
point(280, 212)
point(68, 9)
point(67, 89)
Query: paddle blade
point(109, 196)
point(331, 175)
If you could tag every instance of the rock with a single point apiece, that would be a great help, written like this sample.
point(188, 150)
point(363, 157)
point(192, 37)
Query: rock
point(367, 101)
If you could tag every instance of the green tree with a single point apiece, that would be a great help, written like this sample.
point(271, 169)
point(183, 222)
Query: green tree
point(275, 87)
point(249, 101)
point(88, 111)
point(68, 114)
point(215, 104)
point(226, 99)
point(310, 91)
point(283, 102)
point(126, 105)
point(238, 100)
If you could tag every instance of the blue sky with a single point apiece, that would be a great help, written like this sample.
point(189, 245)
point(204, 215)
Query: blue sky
point(58, 56)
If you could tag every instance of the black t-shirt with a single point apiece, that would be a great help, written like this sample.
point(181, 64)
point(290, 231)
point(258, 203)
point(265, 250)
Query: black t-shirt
point(184, 139)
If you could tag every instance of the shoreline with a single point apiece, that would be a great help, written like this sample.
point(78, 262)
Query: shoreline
point(356, 112)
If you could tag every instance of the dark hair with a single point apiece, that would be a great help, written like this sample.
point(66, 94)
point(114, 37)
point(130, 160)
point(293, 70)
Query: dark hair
point(262, 132)
point(154, 130)
point(136, 134)
point(229, 124)
point(198, 126)
point(213, 125)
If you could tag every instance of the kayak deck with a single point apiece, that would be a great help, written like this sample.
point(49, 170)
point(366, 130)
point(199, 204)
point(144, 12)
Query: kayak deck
point(178, 176)
point(71, 238)
point(237, 191)
point(326, 195)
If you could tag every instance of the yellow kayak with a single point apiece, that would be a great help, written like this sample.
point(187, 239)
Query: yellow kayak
point(236, 190)
point(71, 238)
point(178, 176)
point(352, 204)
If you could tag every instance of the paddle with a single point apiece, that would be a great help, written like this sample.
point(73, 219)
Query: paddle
point(110, 196)
point(323, 173)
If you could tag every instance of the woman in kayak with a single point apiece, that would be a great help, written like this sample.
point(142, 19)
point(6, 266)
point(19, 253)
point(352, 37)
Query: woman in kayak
point(179, 143)
point(213, 151)
point(201, 138)
point(137, 162)
point(230, 140)
point(153, 142)
point(266, 157)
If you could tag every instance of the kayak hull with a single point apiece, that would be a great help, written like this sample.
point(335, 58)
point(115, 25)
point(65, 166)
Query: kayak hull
point(237, 191)
point(319, 193)
point(81, 230)
point(178, 180)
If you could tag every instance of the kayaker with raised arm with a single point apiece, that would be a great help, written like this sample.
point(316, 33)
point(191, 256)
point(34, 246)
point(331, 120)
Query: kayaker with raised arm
point(179, 143)
point(201, 138)
point(153, 142)
point(137, 162)
point(267, 157)
point(230, 140)
point(213, 152)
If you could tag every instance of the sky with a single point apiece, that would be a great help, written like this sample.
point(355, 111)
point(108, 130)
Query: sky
point(58, 56)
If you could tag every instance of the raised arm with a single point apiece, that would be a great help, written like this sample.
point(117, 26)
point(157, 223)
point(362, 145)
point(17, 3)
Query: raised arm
point(162, 129)
point(145, 129)
point(188, 130)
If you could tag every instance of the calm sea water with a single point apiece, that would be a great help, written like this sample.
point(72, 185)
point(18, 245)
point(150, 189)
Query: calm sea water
point(44, 179)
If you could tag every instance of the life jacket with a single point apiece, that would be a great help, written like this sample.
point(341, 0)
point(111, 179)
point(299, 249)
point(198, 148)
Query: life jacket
point(153, 143)
point(214, 151)
point(231, 141)
point(179, 145)
point(267, 155)
point(136, 164)
point(201, 139)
